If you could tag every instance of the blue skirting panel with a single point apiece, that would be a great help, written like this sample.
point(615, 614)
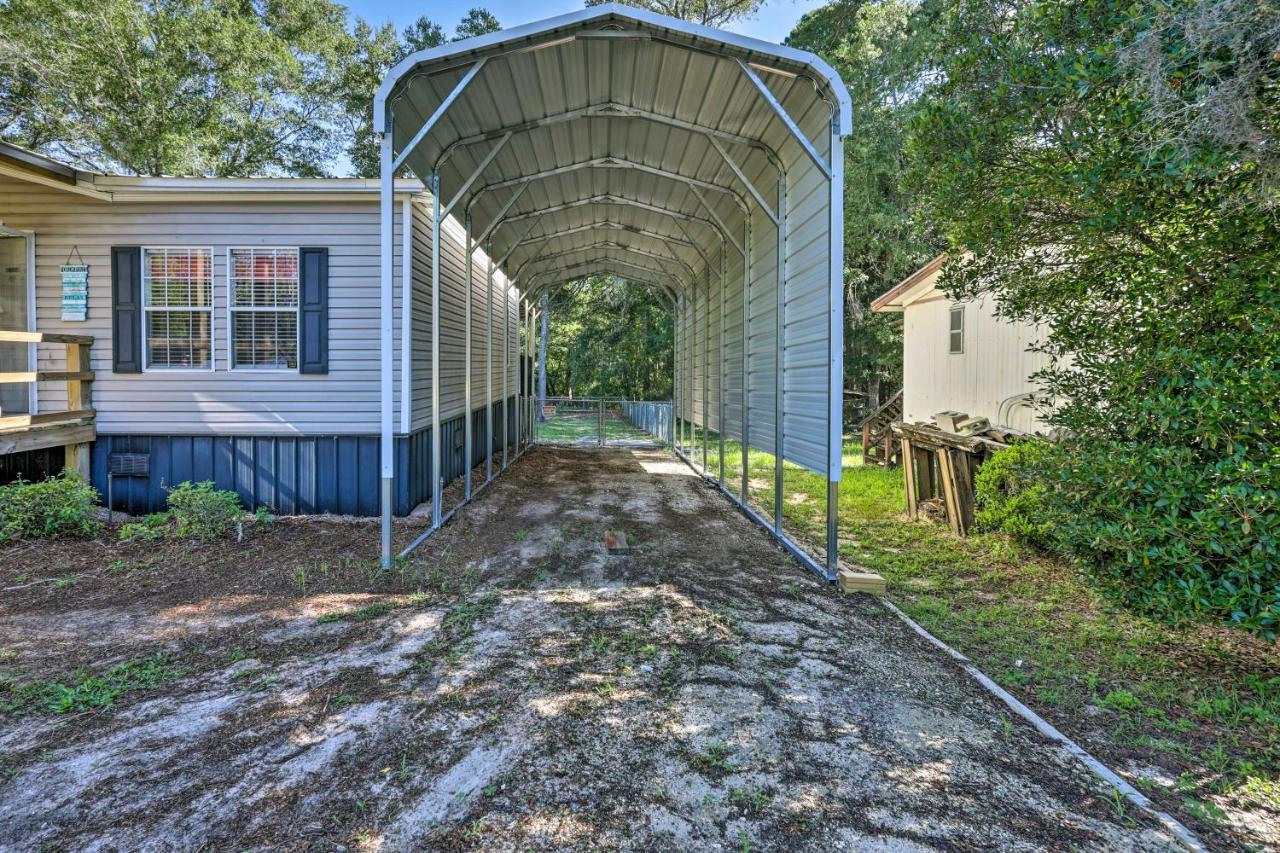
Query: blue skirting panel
point(413, 454)
point(290, 475)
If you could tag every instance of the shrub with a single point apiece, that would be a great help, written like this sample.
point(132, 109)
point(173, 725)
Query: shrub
point(1013, 495)
point(59, 505)
point(195, 509)
point(201, 511)
point(1176, 532)
point(152, 527)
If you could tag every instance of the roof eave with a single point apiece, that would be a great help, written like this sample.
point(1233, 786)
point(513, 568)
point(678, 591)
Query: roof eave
point(894, 300)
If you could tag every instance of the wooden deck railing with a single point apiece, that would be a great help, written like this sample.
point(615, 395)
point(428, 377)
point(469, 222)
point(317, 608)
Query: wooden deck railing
point(72, 427)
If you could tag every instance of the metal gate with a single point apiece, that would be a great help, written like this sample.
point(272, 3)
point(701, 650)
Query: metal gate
point(602, 422)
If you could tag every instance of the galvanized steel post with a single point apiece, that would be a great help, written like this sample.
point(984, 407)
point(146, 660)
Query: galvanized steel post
point(746, 365)
point(466, 382)
point(724, 263)
point(835, 344)
point(386, 222)
point(437, 476)
point(779, 350)
point(488, 359)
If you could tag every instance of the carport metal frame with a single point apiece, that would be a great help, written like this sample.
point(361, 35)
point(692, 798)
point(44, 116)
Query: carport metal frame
point(612, 256)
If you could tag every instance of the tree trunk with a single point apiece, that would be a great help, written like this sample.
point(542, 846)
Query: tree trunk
point(646, 375)
point(542, 361)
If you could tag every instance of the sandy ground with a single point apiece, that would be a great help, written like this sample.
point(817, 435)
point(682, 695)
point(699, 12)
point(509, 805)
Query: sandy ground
point(520, 688)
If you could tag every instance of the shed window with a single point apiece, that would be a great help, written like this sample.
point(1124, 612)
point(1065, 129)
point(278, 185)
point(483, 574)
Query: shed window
point(264, 308)
point(956, 331)
point(177, 300)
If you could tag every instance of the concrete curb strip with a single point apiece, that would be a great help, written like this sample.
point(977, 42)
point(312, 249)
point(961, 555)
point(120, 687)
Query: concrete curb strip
point(1132, 794)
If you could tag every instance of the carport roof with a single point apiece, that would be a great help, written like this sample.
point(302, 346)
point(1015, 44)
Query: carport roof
point(611, 138)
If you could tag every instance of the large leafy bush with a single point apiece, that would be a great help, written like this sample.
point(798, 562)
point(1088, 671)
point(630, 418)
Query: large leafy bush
point(59, 505)
point(1013, 493)
point(1110, 169)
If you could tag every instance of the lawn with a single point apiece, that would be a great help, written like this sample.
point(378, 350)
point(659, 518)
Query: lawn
point(1191, 716)
point(584, 427)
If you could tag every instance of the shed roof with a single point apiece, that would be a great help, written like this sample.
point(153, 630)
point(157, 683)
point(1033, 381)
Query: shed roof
point(895, 298)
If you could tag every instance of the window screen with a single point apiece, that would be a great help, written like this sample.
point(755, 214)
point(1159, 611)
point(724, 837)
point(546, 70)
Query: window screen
point(956, 333)
point(264, 308)
point(177, 300)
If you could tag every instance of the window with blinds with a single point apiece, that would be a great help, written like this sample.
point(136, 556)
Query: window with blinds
point(264, 308)
point(177, 303)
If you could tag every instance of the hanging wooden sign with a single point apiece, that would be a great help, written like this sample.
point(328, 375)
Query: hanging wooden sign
point(75, 292)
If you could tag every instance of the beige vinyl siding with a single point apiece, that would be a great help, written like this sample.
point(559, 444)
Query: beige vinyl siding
point(222, 401)
point(996, 363)
point(453, 321)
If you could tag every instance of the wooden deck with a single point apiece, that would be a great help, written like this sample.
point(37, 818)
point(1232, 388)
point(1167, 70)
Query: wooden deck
point(74, 428)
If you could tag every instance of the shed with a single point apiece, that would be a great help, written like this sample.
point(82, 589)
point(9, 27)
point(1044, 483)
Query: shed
point(963, 356)
point(700, 163)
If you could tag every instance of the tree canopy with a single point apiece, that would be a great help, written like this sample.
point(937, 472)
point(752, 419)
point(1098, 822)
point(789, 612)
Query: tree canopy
point(710, 13)
point(180, 87)
point(609, 338)
point(186, 87)
point(1109, 169)
point(882, 50)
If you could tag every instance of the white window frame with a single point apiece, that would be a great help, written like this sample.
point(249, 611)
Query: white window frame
point(213, 325)
point(33, 394)
point(956, 311)
point(232, 310)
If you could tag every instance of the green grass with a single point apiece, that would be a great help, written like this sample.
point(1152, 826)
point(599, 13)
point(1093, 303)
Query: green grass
point(88, 692)
point(1202, 700)
point(572, 428)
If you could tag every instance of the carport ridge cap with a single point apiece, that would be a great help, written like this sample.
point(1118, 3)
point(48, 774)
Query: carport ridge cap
point(478, 46)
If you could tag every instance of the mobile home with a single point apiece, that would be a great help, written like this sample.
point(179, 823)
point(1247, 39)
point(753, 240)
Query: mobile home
point(235, 333)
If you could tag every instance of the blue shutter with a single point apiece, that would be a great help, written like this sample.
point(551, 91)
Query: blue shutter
point(126, 309)
point(313, 310)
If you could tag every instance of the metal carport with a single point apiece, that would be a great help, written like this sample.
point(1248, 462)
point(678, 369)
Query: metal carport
point(699, 162)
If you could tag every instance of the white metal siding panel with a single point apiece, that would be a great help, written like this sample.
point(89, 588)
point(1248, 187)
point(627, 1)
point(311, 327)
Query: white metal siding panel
point(452, 320)
point(762, 333)
point(733, 346)
point(806, 331)
point(345, 401)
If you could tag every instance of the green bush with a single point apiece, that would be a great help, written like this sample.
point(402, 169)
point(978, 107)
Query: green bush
point(1013, 496)
point(152, 527)
point(195, 509)
point(61, 505)
point(200, 510)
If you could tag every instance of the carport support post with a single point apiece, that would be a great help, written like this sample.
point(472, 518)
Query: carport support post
point(746, 363)
point(488, 364)
point(706, 359)
point(437, 475)
point(386, 222)
point(466, 384)
point(724, 263)
point(835, 344)
point(506, 367)
point(779, 350)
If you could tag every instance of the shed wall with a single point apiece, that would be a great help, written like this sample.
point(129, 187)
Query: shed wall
point(996, 364)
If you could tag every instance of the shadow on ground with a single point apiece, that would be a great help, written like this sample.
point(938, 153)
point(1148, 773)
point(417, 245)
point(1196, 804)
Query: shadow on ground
point(514, 686)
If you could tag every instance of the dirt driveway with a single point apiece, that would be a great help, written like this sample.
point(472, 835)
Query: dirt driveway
point(514, 686)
